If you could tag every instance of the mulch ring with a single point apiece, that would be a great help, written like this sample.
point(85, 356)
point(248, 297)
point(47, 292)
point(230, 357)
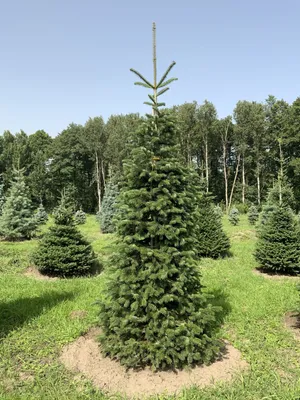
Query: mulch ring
point(292, 322)
point(84, 357)
point(32, 272)
point(274, 276)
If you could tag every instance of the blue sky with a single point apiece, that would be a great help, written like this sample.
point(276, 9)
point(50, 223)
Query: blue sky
point(64, 61)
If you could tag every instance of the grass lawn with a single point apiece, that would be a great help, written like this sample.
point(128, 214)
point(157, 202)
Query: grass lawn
point(36, 322)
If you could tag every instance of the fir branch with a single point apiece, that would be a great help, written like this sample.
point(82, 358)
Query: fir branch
point(168, 82)
point(143, 84)
point(166, 74)
point(162, 91)
point(142, 78)
point(151, 97)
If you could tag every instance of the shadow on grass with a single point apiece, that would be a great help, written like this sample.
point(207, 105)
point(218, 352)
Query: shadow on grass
point(272, 273)
point(219, 298)
point(14, 314)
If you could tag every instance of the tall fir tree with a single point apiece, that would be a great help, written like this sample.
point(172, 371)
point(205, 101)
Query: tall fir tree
point(63, 251)
point(278, 246)
point(17, 221)
point(212, 241)
point(154, 311)
point(108, 210)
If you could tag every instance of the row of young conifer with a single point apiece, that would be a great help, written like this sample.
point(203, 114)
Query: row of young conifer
point(18, 219)
point(277, 248)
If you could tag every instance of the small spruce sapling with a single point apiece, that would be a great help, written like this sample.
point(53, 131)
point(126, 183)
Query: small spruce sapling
point(218, 211)
point(278, 245)
point(80, 217)
point(17, 221)
point(63, 252)
point(41, 215)
point(108, 209)
point(212, 241)
point(234, 216)
point(253, 215)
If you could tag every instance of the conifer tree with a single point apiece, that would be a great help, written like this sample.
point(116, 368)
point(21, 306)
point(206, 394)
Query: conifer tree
point(2, 198)
point(265, 214)
point(41, 216)
point(154, 311)
point(234, 216)
point(278, 246)
point(63, 251)
point(253, 215)
point(218, 211)
point(17, 220)
point(108, 209)
point(80, 217)
point(212, 241)
point(281, 194)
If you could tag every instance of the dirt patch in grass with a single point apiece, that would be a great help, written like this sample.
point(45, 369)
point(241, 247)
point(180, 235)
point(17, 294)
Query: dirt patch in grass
point(292, 322)
point(244, 235)
point(78, 314)
point(274, 276)
point(32, 272)
point(84, 356)
point(24, 376)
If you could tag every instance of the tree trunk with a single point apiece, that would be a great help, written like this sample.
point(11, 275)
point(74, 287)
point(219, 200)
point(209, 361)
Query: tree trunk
point(206, 165)
point(258, 183)
point(154, 112)
point(98, 181)
point(234, 181)
point(188, 147)
point(280, 173)
point(243, 181)
point(225, 175)
point(103, 174)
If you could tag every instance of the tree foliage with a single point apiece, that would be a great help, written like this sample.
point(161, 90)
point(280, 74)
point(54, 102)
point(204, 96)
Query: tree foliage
point(234, 216)
point(154, 311)
point(80, 217)
point(108, 210)
point(17, 220)
point(212, 241)
point(218, 211)
point(62, 251)
point(278, 246)
point(41, 215)
point(253, 215)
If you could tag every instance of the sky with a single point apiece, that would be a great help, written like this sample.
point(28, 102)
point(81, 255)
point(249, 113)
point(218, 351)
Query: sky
point(64, 61)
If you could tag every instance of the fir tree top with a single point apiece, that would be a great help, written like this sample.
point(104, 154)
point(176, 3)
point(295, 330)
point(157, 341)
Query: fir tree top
point(159, 87)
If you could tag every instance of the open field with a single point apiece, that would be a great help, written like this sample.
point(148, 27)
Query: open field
point(37, 319)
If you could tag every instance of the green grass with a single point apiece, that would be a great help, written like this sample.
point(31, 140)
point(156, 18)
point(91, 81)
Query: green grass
point(35, 323)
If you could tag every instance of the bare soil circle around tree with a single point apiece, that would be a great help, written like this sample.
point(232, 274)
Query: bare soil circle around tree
point(34, 273)
point(274, 276)
point(83, 356)
point(292, 322)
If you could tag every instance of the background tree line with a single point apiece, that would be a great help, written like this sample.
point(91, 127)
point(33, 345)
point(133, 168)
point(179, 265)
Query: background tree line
point(237, 157)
